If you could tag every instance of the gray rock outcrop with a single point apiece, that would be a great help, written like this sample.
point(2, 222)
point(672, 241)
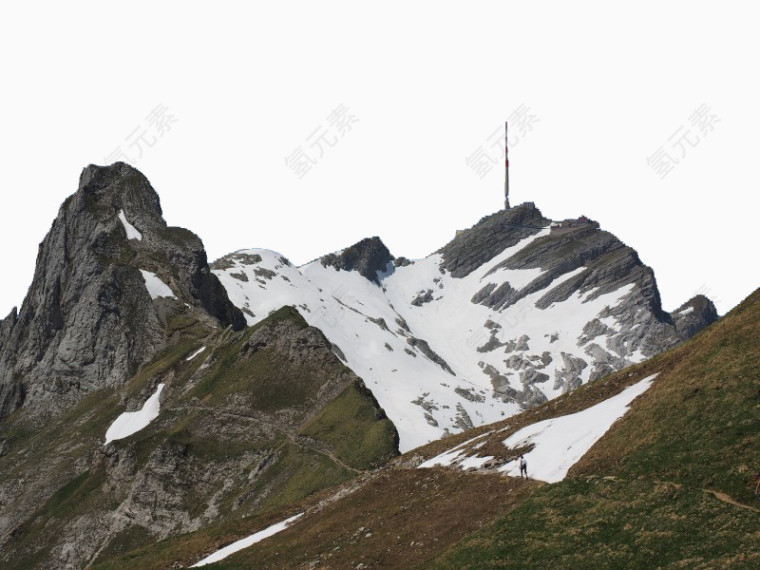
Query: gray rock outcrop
point(368, 257)
point(575, 259)
point(88, 320)
point(694, 315)
point(489, 237)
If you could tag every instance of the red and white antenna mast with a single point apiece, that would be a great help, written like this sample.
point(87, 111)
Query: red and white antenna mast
point(506, 167)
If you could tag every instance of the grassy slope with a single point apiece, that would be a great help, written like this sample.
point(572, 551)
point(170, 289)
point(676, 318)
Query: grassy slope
point(641, 496)
point(636, 500)
point(350, 425)
point(621, 509)
point(266, 380)
point(615, 523)
point(699, 423)
point(391, 519)
point(397, 520)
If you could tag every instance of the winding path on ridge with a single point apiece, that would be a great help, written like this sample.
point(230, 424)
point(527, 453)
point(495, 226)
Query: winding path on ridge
point(726, 499)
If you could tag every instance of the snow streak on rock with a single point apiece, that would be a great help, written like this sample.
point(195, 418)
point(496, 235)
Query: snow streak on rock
point(246, 542)
point(156, 287)
point(132, 232)
point(129, 423)
point(196, 353)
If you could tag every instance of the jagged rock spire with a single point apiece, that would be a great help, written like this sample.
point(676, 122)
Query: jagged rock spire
point(88, 320)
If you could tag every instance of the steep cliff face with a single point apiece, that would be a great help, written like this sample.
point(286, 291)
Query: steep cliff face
point(94, 313)
point(135, 404)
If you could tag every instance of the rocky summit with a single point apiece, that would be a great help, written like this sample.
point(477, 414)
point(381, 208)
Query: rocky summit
point(88, 321)
point(145, 394)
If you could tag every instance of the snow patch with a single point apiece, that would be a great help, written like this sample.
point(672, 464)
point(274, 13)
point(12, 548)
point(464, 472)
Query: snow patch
point(132, 422)
point(447, 458)
point(559, 443)
point(196, 353)
point(132, 232)
point(460, 458)
point(156, 287)
point(246, 542)
point(474, 462)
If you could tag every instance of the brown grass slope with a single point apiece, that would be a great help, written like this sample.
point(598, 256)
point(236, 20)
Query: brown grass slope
point(394, 518)
point(636, 500)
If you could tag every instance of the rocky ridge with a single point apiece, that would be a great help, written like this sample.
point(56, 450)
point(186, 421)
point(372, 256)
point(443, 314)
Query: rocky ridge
point(368, 257)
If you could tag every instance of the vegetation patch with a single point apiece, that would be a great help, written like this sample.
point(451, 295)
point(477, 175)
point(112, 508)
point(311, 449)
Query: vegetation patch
point(76, 497)
point(352, 425)
point(400, 519)
point(127, 540)
point(613, 523)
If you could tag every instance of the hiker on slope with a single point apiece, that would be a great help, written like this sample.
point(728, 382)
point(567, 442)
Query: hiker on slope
point(524, 468)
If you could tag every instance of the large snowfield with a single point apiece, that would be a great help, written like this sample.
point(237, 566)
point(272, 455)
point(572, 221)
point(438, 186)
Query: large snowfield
point(372, 324)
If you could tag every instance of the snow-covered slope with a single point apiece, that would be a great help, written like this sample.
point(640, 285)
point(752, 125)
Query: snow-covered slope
point(555, 444)
point(486, 327)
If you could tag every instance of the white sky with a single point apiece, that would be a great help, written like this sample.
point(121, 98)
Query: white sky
point(428, 82)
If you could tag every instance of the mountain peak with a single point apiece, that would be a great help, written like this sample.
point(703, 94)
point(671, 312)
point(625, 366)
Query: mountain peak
point(121, 187)
point(92, 315)
point(95, 177)
point(368, 256)
point(473, 247)
point(512, 312)
point(694, 315)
